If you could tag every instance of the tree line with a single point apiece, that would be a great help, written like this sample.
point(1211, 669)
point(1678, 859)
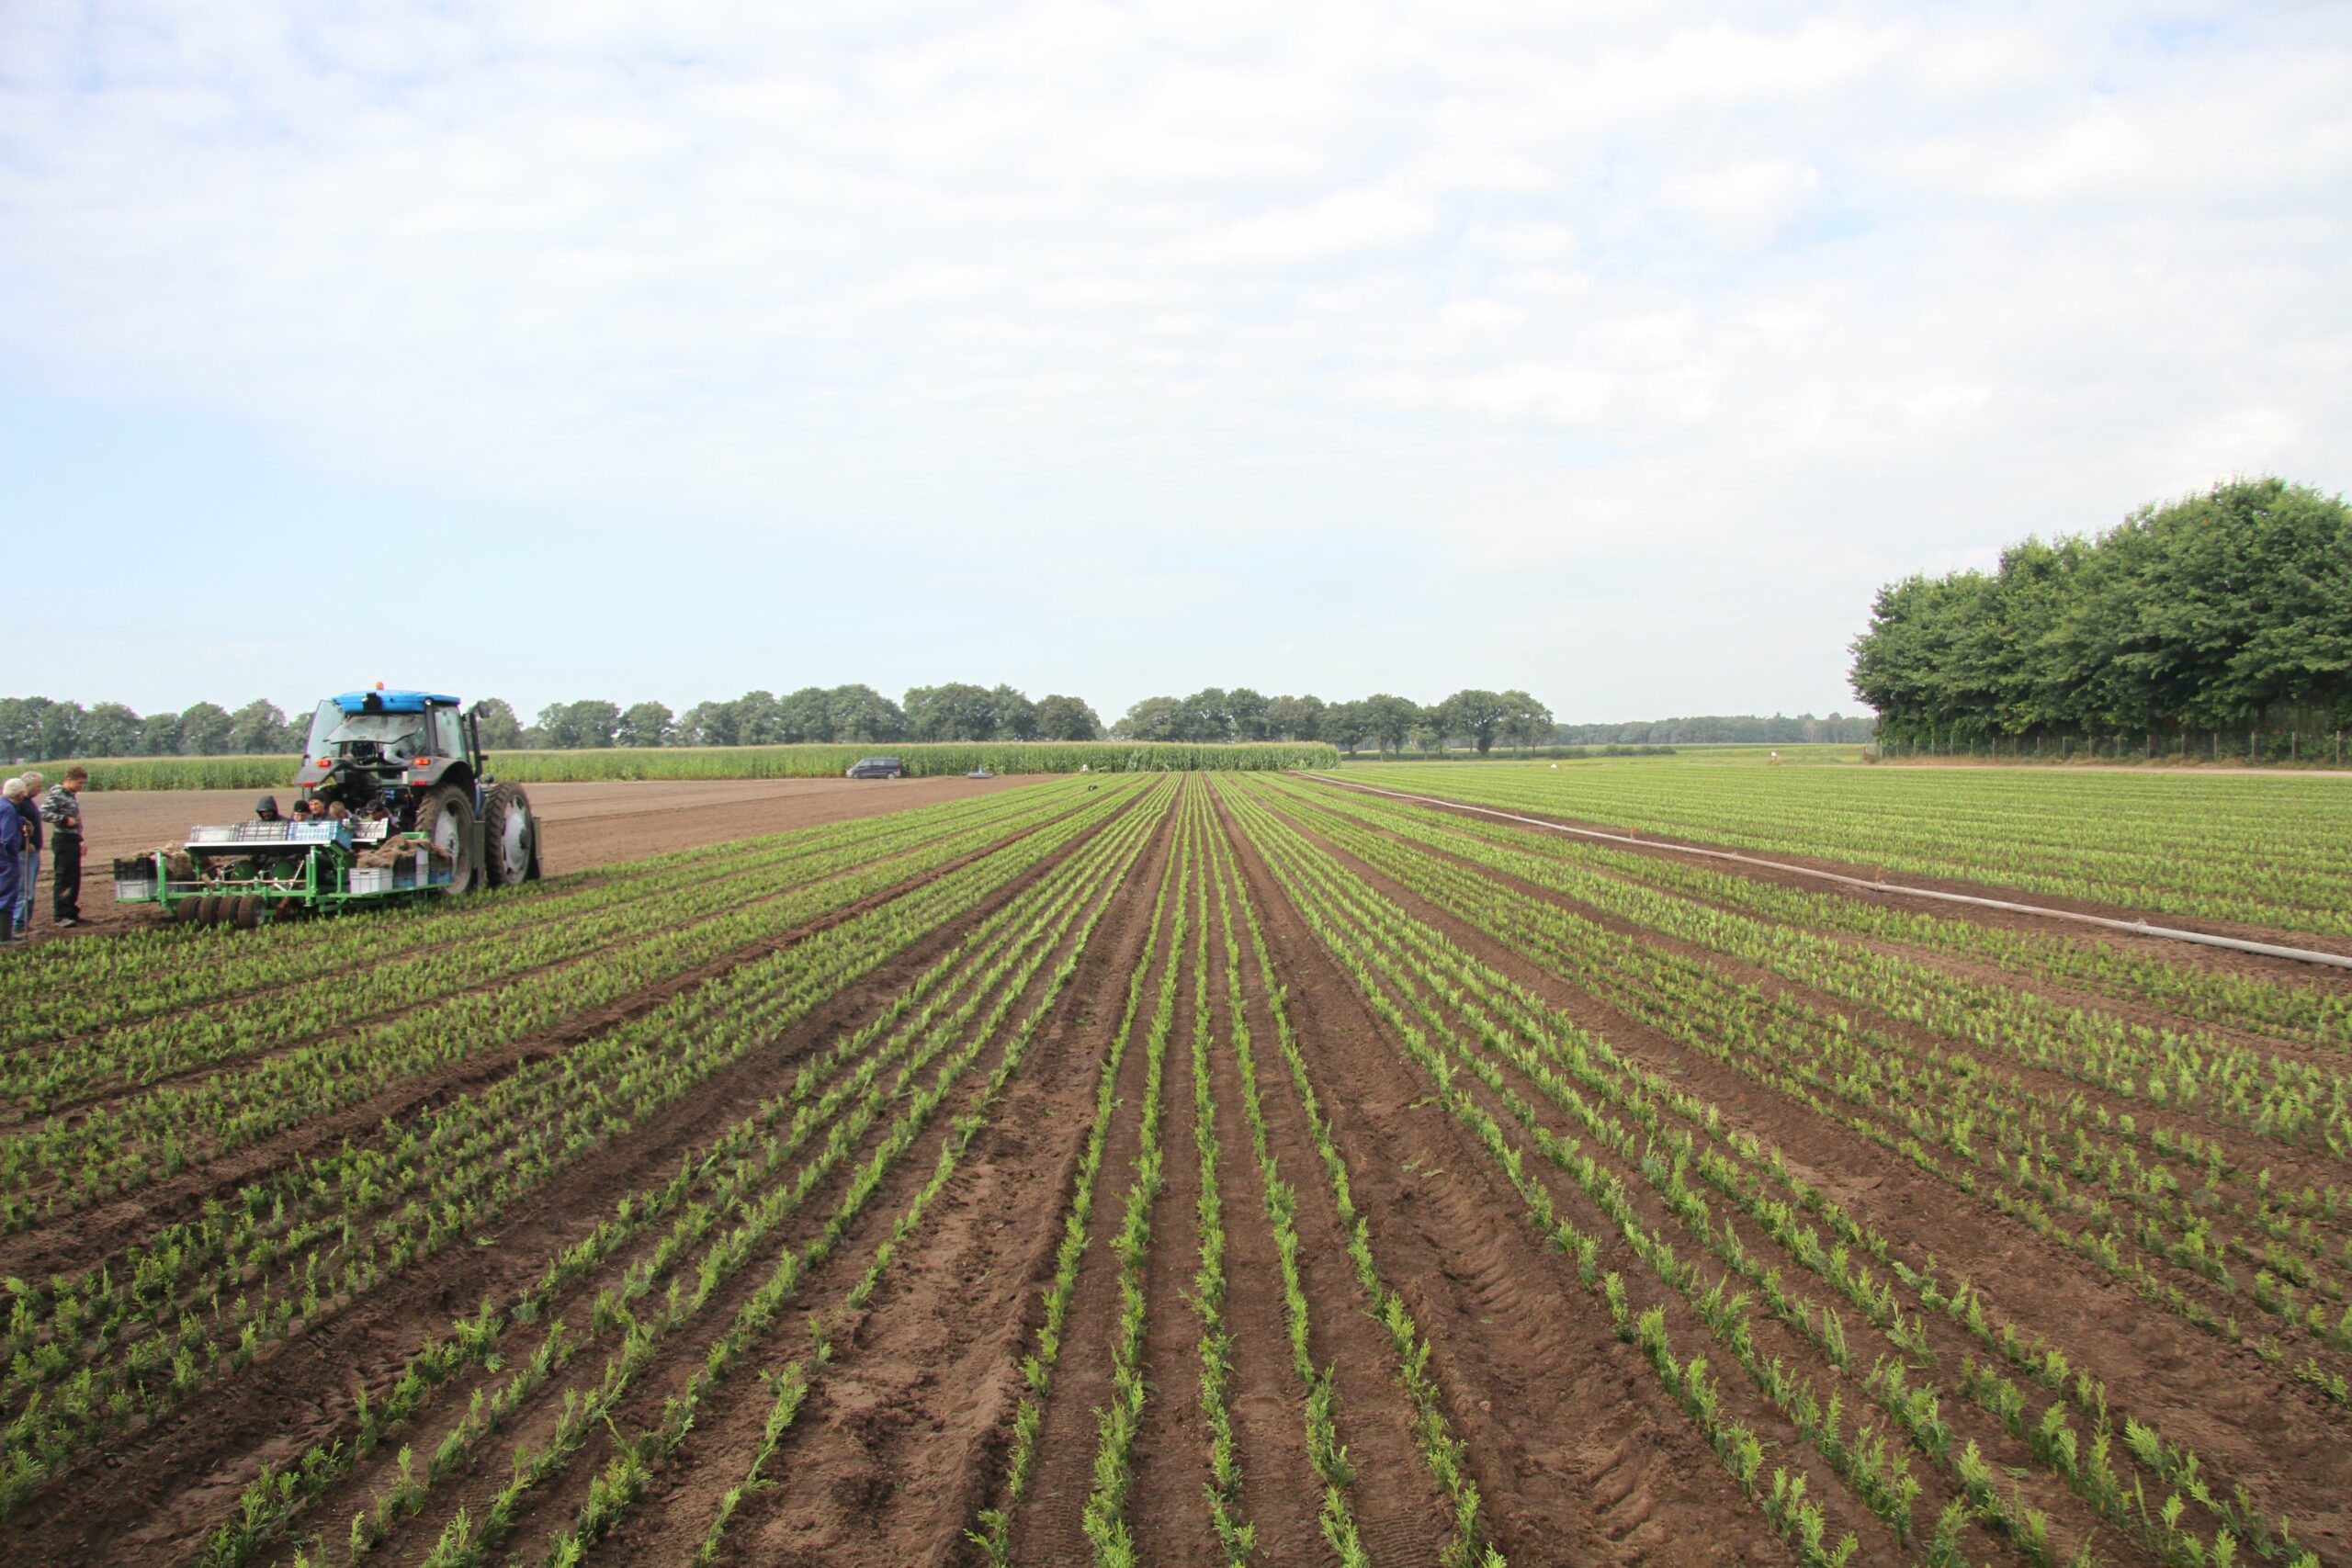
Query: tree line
point(1726, 729)
point(1474, 718)
point(2227, 616)
point(36, 728)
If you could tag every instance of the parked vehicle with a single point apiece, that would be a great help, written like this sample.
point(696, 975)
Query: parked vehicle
point(876, 768)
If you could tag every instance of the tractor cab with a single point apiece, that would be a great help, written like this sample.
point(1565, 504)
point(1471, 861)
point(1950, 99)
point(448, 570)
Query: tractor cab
point(365, 744)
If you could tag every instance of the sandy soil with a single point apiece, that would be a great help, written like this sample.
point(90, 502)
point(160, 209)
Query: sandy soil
point(586, 824)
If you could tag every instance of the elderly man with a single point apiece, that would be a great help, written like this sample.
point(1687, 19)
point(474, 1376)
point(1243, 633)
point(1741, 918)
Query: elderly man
point(60, 811)
point(30, 878)
point(12, 833)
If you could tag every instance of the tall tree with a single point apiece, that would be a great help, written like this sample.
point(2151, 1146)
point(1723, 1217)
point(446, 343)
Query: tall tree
point(257, 728)
point(1295, 718)
point(501, 729)
point(862, 715)
point(204, 730)
point(1067, 719)
point(807, 716)
point(109, 730)
point(1477, 714)
point(645, 723)
point(957, 711)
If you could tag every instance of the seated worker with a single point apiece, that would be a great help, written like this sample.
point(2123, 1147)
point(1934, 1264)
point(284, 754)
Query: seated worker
point(301, 812)
point(266, 810)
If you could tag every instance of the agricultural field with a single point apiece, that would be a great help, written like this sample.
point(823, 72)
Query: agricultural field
point(584, 825)
point(1214, 1168)
point(2268, 850)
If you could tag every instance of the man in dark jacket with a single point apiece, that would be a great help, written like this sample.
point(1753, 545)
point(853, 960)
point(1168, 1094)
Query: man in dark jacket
point(61, 810)
point(12, 833)
point(29, 879)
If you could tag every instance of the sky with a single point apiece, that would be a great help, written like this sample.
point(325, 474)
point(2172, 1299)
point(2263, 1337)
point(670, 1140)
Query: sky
point(561, 349)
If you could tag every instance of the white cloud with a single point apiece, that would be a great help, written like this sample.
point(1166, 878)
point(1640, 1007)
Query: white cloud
point(1828, 293)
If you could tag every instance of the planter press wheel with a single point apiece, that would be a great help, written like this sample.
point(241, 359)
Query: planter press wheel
point(445, 816)
point(188, 911)
point(509, 837)
point(245, 912)
point(208, 909)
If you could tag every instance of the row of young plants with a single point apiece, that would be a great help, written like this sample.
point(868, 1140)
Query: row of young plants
point(1937, 1091)
point(1737, 1166)
point(469, 957)
point(1467, 1547)
point(2272, 1095)
point(202, 1296)
point(67, 1161)
point(1426, 986)
point(1055, 935)
point(94, 990)
point(2311, 1014)
point(1178, 948)
point(1907, 1092)
point(2269, 852)
point(79, 989)
point(909, 1056)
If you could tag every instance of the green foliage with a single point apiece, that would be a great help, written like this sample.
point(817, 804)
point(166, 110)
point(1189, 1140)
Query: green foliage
point(2228, 611)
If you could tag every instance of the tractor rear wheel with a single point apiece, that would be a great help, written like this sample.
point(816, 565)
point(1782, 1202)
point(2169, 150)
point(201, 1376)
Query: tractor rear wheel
point(510, 836)
point(445, 816)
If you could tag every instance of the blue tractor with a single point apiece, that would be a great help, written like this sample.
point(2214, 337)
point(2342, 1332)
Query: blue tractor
point(399, 805)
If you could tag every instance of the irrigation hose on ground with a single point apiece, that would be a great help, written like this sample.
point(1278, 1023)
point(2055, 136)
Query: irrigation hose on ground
point(2134, 928)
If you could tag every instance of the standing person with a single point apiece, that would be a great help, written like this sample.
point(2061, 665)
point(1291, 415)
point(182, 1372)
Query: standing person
point(12, 832)
point(29, 879)
point(61, 808)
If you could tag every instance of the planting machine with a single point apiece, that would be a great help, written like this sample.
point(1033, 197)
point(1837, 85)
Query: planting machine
point(399, 806)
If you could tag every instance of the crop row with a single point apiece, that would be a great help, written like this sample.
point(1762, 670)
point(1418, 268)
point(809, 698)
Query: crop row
point(2268, 852)
point(1539, 1093)
point(64, 1163)
point(200, 1296)
point(80, 989)
point(2045, 1155)
point(850, 1116)
point(531, 937)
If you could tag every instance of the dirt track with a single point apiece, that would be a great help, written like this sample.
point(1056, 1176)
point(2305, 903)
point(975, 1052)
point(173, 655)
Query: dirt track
point(586, 824)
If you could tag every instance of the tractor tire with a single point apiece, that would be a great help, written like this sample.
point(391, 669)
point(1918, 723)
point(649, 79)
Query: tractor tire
point(510, 837)
point(245, 913)
point(188, 911)
point(207, 909)
point(445, 816)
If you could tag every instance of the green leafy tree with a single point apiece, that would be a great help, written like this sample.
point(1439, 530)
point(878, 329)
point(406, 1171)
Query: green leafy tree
point(1067, 719)
point(1248, 711)
point(807, 716)
point(1154, 718)
point(708, 724)
point(159, 735)
point(582, 725)
point(862, 715)
point(1388, 719)
point(61, 729)
point(204, 730)
point(1346, 726)
point(759, 719)
point(645, 723)
point(256, 729)
point(1295, 718)
point(1016, 716)
point(109, 730)
point(957, 711)
point(1475, 714)
point(501, 730)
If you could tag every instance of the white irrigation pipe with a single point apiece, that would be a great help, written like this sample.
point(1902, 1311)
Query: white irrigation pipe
point(2136, 928)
